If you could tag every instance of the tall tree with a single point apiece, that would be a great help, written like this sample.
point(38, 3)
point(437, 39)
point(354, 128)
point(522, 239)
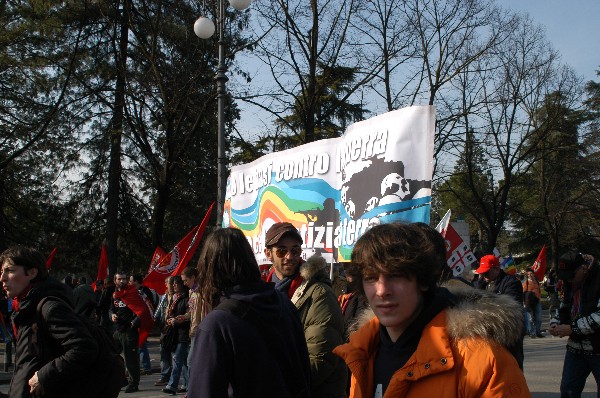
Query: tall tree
point(306, 50)
point(545, 198)
point(500, 97)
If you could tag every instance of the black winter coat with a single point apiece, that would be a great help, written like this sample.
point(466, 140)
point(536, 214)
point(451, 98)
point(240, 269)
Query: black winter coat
point(60, 348)
point(180, 308)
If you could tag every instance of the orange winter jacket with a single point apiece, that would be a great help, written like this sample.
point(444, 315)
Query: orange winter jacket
point(452, 359)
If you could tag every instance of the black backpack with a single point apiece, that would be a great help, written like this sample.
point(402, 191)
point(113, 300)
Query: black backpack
point(109, 363)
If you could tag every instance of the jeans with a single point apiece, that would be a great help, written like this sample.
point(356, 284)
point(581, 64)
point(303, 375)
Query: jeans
point(189, 357)
point(127, 343)
point(576, 369)
point(179, 366)
point(166, 363)
point(145, 357)
point(534, 325)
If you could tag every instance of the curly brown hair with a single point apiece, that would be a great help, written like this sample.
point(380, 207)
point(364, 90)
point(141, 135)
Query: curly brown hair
point(411, 250)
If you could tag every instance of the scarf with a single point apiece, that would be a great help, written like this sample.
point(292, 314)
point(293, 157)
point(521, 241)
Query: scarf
point(16, 306)
point(287, 285)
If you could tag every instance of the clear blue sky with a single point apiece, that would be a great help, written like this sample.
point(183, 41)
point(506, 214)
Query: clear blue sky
point(573, 28)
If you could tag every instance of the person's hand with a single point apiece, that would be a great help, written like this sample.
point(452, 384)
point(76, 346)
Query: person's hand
point(560, 330)
point(114, 318)
point(35, 388)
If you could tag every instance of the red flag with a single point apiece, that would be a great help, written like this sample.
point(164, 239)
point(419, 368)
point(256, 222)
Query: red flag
point(102, 267)
point(458, 253)
point(177, 259)
point(51, 258)
point(189, 253)
point(158, 254)
point(133, 299)
point(539, 267)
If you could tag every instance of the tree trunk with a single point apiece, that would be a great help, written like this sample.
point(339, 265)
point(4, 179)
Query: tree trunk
point(116, 131)
point(2, 228)
point(160, 209)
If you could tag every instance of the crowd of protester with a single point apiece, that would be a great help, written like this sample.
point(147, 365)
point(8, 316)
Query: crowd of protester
point(392, 322)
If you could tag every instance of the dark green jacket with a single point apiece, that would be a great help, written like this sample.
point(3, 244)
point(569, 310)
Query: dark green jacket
point(323, 323)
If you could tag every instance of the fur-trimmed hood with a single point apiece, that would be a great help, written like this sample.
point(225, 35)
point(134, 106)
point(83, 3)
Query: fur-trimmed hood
point(490, 316)
point(476, 313)
point(315, 268)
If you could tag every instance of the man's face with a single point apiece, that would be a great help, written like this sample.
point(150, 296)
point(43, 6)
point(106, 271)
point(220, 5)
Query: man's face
point(395, 300)
point(189, 282)
point(492, 274)
point(530, 275)
point(15, 279)
point(121, 281)
point(285, 256)
point(133, 282)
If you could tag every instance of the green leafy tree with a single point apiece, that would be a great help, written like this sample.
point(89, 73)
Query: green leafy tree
point(549, 196)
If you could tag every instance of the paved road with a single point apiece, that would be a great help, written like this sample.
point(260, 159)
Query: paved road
point(543, 368)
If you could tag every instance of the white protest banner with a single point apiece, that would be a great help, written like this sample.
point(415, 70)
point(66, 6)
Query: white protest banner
point(333, 190)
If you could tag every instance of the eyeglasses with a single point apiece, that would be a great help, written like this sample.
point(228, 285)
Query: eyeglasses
point(281, 252)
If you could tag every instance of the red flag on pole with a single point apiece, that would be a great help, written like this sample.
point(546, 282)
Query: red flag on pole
point(458, 253)
point(133, 299)
point(158, 254)
point(539, 267)
point(189, 253)
point(177, 259)
point(51, 258)
point(102, 266)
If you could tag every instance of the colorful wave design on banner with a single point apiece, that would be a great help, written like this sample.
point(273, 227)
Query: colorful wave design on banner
point(283, 201)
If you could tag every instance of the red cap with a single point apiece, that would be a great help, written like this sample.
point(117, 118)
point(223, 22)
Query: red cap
point(486, 263)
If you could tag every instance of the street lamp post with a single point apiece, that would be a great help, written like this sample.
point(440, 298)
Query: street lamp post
point(204, 28)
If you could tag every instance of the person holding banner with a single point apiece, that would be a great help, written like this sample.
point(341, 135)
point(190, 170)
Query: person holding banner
point(308, 285)
point(425, 340)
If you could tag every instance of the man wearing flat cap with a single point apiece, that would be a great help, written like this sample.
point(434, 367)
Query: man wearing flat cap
point(494, 279)
point(307, 284)
point(579, 315)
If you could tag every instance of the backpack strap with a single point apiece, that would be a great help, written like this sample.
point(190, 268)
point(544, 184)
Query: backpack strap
point(39, 327)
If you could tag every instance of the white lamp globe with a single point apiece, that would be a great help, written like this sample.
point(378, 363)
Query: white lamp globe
point(204, 28)
point(240, 4)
